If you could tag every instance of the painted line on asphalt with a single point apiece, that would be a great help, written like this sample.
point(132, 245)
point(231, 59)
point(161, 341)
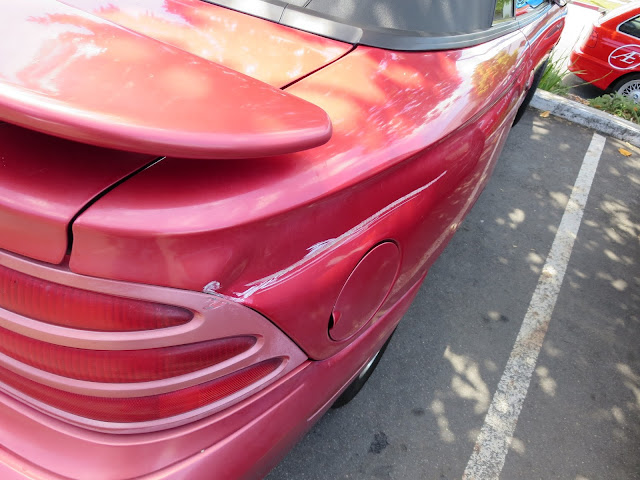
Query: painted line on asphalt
point(492, 444)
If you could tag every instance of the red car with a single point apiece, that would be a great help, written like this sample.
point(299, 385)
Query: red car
point(214, 214)
point(609, 57)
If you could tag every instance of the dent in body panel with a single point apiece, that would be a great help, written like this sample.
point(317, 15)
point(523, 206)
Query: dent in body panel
point(322, 247)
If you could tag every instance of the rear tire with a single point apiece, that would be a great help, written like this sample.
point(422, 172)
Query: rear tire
point(357, 384)
point(628, 86)
point(534, 86)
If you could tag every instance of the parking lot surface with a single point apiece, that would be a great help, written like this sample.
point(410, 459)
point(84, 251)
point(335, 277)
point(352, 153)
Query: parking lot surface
point(420, 414)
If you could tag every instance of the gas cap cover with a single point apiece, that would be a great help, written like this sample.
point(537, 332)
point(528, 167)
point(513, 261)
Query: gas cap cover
point(365, 290)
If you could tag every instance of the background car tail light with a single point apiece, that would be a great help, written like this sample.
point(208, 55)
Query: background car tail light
point(141, 409)
point(121, 366)
point(75, 308)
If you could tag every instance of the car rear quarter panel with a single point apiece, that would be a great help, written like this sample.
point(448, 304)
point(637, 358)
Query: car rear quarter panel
point(543, 33)
point(415, 139)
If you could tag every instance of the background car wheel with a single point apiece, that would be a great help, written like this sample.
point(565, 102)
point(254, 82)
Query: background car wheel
point(629, 86)
point(357, 384)
point(534, 86)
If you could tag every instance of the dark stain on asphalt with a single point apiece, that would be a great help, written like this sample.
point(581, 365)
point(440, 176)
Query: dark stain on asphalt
point(503, 319)
point(418, 412)
point(379, 443)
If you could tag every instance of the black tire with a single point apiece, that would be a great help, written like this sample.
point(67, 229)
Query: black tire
point(357, 384)
point(628, 86)
point(534, 86)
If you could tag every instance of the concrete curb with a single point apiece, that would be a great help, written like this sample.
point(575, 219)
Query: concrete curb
point(587, 116)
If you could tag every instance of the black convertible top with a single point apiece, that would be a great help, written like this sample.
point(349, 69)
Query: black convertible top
point(432, 16)
point(390, 24)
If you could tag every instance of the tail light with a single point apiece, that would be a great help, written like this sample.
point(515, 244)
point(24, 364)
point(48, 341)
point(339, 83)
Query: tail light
point(75, 308)
point(239, 352)
point(592, 40)
point(141, 409)
point(121, 366)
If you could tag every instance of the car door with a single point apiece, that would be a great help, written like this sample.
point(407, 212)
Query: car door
point(620, 47)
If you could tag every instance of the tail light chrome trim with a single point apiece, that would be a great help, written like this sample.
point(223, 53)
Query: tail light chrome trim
point(213, 319)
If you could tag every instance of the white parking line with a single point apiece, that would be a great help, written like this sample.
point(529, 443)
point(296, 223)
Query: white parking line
point(493, 442)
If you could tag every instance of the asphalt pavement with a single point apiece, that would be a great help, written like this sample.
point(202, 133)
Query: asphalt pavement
point(421, 413)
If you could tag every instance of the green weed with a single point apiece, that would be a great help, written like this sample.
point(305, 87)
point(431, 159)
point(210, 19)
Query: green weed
point(617, 105)
point(553, 76)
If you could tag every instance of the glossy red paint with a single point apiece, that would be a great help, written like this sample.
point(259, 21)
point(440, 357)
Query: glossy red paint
point(607, 54)
point(266, 248)
point(266, 51)
point(39, 193)
point(364, 291)
point(85, 79)
point(543, 36)
point(408, 169)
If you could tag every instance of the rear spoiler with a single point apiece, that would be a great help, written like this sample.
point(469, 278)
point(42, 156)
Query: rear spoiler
point(67, 73)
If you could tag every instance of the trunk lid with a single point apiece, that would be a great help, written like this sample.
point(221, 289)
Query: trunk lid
point(83, 78)
point(269, 52)
point(45, 181)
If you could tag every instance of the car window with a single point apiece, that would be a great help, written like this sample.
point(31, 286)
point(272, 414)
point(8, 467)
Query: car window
point(503, 10)
point(631, 27)
point(414, 25)
point(432, 16)
point(526, 6)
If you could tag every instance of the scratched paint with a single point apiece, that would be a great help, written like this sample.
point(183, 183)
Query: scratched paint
point(320, 247)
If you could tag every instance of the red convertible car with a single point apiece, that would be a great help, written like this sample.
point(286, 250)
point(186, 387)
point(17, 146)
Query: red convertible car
point(213, 214)
point(609, 57)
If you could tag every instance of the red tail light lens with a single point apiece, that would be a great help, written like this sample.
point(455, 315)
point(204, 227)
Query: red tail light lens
point(592, 40)
point(141, 409)
point(122, 366)
point(75, 308)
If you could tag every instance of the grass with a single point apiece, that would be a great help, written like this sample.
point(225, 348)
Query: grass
point(553, 75)
point(618, 105)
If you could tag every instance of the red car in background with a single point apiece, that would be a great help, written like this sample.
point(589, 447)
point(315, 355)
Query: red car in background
point(609, 57)
point(213, 214)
